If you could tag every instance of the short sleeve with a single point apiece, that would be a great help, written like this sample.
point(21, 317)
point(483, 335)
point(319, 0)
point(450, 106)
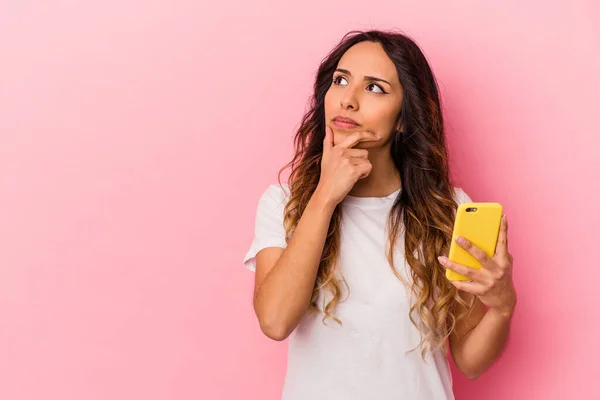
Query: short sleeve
point(268, 226)
point(461, 196)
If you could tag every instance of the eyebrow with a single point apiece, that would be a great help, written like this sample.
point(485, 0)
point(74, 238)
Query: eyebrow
point(370, 78)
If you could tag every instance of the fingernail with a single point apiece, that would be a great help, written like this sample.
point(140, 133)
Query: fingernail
point(461, 240)
point(442, 259)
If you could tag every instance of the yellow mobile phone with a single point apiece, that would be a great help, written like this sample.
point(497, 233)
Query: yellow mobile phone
point(480, 224)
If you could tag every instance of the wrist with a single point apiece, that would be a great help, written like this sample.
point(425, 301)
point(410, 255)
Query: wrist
point(322, 201)
point(502, 312)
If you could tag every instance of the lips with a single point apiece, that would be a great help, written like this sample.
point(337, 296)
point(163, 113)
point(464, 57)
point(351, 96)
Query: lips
point(344, 122)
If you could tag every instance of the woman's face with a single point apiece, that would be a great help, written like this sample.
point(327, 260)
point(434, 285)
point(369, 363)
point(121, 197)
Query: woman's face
point(366, 89)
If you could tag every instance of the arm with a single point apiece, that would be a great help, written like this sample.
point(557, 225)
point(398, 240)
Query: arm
point(285, 278)
point(479, 338)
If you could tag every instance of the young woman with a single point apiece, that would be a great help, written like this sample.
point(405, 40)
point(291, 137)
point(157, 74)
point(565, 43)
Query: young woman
point(349, 255)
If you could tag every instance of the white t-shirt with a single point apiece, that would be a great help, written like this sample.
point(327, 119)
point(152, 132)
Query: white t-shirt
point(364, 358)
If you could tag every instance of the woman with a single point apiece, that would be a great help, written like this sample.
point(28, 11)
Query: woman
point(349, 255)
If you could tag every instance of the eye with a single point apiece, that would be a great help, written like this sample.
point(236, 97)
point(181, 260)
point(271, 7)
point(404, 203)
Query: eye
point(378, 87)
point(337, 78)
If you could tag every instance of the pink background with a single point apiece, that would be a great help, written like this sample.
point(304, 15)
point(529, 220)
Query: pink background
point(136, 137)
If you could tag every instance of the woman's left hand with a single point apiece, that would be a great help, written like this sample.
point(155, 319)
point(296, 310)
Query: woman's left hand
point(493, 283)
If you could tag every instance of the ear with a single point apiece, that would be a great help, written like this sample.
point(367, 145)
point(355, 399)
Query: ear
point(399, 125)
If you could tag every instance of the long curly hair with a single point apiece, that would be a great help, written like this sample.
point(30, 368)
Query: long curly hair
point(425, 207)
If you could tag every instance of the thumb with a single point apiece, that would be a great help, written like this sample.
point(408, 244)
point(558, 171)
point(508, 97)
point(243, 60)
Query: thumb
point(328, 141)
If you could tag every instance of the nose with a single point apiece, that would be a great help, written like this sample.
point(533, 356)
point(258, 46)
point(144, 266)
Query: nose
point(349, 100)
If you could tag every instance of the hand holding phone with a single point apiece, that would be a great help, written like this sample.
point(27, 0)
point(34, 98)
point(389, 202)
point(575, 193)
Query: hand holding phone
point(480, 224)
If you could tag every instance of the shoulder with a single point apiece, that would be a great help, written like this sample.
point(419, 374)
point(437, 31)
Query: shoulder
point(274, 197)
point(461, 196)
point(276, 192)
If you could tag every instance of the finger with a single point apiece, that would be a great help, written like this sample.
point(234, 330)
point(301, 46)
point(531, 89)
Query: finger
point(357, 153)
point(358, 137)
point(502, 245)
point(363, 169)
point(328, 141)
point(471, 273)
point(359, 161)
point(470, 287)
point(475, 251)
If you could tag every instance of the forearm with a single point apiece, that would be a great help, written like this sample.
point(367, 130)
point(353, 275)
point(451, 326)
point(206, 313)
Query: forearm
point(284, 295)
point(484, 344)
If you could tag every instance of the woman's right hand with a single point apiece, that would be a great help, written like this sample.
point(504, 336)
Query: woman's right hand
point(342, 166)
